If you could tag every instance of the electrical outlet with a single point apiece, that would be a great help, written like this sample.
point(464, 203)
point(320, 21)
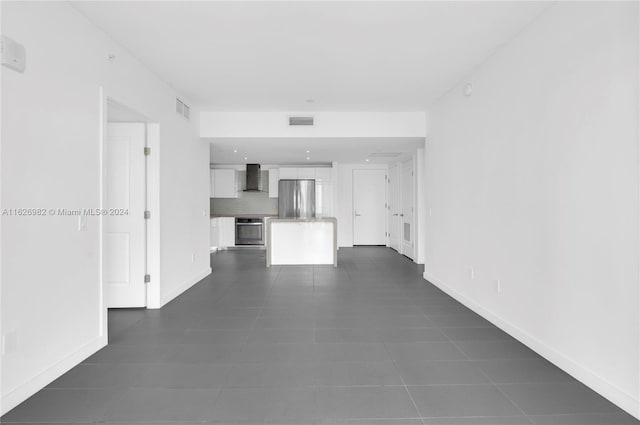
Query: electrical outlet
point(498, 286)
point(472, 273)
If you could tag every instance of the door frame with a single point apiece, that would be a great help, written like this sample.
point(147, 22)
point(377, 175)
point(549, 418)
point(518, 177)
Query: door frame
point(152, 178)
point(402, 165)
point(395, 185)
point(383, 169)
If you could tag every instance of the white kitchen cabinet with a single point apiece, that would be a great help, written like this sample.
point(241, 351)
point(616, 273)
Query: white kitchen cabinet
point(273, 182)
point(323, 174)
point(212, 183)
point(225, 183)
point(306, 173)
point(288, 173)
point(227, 232)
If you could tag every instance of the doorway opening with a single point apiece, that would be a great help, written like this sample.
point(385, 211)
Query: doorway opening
point(369, 207)
point(129, 236)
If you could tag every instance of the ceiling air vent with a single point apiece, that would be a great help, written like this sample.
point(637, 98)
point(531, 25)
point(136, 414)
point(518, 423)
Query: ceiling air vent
point(300, 120)
point(183, 109)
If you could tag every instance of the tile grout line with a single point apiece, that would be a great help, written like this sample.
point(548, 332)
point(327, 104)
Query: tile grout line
point(404, 384)
point(490, 380)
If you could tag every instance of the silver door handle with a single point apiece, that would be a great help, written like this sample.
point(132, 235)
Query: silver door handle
point(401, 215)
point(357, 215)
point(396, 215)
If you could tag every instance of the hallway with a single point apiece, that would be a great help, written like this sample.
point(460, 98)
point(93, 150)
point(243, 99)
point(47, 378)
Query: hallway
point(367, 341)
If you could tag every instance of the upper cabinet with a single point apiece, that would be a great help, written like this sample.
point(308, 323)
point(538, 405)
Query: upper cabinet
point(306, 173)
point(224, 183)
point(287, 173)
point(323, 174)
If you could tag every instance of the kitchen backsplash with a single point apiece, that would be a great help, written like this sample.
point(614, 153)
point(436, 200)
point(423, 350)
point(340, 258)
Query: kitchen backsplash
point(247, 202)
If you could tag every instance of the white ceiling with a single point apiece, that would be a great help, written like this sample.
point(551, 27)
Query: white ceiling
point(347, 56)
point(321, 150)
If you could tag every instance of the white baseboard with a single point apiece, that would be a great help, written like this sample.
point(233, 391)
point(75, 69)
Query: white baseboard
point(186, 285)
point(583, 374)
point(19, 394)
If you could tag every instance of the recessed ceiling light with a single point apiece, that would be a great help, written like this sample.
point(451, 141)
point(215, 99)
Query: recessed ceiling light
point(308, 151)
point(366, 160)
point(235, 151)
point(245, 158)
point(308, 158)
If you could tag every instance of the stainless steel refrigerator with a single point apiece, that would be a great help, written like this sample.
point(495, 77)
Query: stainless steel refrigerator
point(297, 198)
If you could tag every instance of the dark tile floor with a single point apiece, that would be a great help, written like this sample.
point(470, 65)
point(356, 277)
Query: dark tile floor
point(369, 342)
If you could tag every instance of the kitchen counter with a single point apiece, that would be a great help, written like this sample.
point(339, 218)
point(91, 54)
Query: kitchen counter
point(292, 241)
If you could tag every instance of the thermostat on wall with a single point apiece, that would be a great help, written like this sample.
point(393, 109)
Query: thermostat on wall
point(13, 54)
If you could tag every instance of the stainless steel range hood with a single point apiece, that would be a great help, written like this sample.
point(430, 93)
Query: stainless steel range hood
point(253, 178)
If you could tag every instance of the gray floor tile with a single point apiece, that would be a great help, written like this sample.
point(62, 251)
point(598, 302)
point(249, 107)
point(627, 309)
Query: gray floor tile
point(476, 334)
point(364, 402)
point(424, 351)
point(411, 335)
point(206, 353)
point(356, 373)
point(260, 404)
point(345, 335)
point(586, 419)
point(506, 349)
point(557, 398)
point(285, 322)
point(214, 336)
point(469, 320)
point(478, 420)
point(351, 352)
point(63, 405)
point(155, 404)
point(265, 336)
point(457, 401)
point(139, 353)
point(523, 370)
point(273, 374)
point(369, 421)
point(98, 375)
point(441, 373)
point(278, 353)
point(172, 375)
point(314, 345)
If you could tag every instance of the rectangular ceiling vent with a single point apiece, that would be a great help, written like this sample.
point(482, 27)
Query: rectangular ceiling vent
point(300, 120)
point(183, 109)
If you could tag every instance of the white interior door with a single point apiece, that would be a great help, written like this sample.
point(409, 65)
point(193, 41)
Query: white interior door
point(125, 239)
point(369, 207)
point(393, 212)
point(406, 216)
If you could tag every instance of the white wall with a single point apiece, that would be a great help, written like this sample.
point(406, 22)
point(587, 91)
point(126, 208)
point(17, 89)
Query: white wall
point(533, 180)
point(344, 208)
point(420, 207)
point(326, 124)
point(51, 303)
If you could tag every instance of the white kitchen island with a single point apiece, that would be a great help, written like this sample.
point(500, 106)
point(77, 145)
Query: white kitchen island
point(297, 241)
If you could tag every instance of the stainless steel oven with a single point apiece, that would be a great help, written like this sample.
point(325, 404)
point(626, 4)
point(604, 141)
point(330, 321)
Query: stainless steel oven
point(249, 231)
